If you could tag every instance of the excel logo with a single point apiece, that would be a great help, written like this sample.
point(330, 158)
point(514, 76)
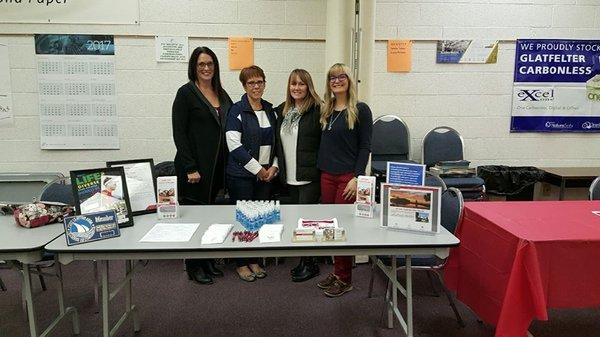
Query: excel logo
point(535, 95)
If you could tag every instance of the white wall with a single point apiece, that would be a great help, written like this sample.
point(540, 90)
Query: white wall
point(475, 99)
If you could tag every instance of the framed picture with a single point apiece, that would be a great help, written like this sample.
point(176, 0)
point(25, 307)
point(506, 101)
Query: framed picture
point(141, 184)
point(411, 208)
point(102, 189)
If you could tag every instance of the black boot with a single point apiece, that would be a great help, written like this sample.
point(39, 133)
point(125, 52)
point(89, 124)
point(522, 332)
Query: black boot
point(309, 270)
point(299, 267)
point(210, 269)
point(199, 276)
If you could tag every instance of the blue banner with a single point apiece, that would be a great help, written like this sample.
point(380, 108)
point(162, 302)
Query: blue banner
point(556, 60)
point(556, 86)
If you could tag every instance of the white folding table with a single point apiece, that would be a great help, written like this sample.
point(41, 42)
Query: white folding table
point(25, 246)
point(363, 237)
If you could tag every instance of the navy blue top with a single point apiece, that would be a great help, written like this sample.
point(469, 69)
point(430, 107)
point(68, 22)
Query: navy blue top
point(242, 120)
point(343, 150)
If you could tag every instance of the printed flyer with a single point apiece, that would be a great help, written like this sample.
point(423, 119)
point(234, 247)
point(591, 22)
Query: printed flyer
point(412, 208)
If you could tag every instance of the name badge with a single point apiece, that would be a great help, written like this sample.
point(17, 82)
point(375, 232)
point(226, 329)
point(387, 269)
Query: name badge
point(91, 227)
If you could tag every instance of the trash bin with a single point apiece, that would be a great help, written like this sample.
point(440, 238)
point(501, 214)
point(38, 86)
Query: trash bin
point(514, 182)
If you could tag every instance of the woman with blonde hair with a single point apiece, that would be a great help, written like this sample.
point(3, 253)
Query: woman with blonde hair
point(298, 137)
point(347, 127)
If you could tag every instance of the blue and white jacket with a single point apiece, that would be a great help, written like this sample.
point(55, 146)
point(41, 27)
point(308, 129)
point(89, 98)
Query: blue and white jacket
point(246, 137)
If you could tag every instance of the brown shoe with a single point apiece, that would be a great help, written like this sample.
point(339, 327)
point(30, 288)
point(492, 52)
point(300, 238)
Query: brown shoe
point(338, 288)
point(328, 282)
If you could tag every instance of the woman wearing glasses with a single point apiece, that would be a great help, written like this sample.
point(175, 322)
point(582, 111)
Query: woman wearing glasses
point(251, 164)
point(198, 120)
point(299, 135)
point(343, 156)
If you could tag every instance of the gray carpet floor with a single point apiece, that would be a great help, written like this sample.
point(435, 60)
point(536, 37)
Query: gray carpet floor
point(170, 305)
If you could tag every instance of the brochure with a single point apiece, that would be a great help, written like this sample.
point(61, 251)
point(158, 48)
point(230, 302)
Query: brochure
point(412, 208)
point(166, 192)
point(365, 196)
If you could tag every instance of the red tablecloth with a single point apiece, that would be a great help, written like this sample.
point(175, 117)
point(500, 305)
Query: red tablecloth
point(516, 259)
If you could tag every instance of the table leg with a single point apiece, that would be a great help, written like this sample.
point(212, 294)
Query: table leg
point(394, 293)
point(29, 300)
point(561, 193)
point(129, 295)
point(105, 302)
point(409, 298)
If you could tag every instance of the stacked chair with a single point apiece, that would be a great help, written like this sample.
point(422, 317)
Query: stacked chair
point(446, 144)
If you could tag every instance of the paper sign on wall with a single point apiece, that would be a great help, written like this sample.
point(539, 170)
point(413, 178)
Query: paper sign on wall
point(399, 55)
point(6, 113)
point(467, 51)
point(171, 48)
point(241, 52)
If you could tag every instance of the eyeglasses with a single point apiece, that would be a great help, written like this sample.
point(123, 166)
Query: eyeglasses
point(256, 83)
point(203, 65)
point(339, 78)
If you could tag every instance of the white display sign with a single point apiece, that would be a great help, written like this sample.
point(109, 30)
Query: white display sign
point(70, 11)
point(6, 107)
point(76, 85)
point(171, 48)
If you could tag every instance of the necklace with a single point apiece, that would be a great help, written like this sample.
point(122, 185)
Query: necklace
point(332, 120)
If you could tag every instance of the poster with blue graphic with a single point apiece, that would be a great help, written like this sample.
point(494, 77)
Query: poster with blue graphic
point(91, 227)
point(556, 86)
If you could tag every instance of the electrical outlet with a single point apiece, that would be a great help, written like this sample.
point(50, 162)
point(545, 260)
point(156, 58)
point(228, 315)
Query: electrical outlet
point(546, 189)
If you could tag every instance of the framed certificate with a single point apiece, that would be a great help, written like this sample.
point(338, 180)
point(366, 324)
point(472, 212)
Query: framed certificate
point(102, 189)
point(141, 184)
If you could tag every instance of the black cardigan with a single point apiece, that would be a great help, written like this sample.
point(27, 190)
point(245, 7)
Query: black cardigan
point(199, 138)
point(309, 138)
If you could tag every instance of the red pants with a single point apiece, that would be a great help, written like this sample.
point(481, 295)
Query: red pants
point(332, 187)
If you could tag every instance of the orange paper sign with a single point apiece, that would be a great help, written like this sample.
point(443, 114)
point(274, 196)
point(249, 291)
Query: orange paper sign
point(399, 55)
point(241, 52)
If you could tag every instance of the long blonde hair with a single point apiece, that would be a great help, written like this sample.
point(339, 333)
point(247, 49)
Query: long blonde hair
point(352, 100)
point(312, 98)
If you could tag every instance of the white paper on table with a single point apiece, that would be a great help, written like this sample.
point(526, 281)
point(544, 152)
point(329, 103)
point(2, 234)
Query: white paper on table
point(170, 232)
point(216, 234)
point(270, 233)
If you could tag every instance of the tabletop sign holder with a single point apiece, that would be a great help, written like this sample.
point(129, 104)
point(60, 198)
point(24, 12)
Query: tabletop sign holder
point(167, 206)
point(90, 227)
point(365, 196)
point(411, 208)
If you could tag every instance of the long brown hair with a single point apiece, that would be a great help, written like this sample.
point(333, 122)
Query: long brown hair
point(312, 98)
point(329, 105)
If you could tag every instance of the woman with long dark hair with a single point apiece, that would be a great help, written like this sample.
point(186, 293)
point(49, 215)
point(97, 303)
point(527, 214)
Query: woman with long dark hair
point(199, 115)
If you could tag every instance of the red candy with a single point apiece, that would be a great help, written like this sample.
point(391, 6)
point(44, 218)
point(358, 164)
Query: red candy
point(245, 236)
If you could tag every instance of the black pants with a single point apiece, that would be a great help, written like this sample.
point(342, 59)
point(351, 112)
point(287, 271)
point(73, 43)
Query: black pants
point(247, 188)
point(305, 194)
